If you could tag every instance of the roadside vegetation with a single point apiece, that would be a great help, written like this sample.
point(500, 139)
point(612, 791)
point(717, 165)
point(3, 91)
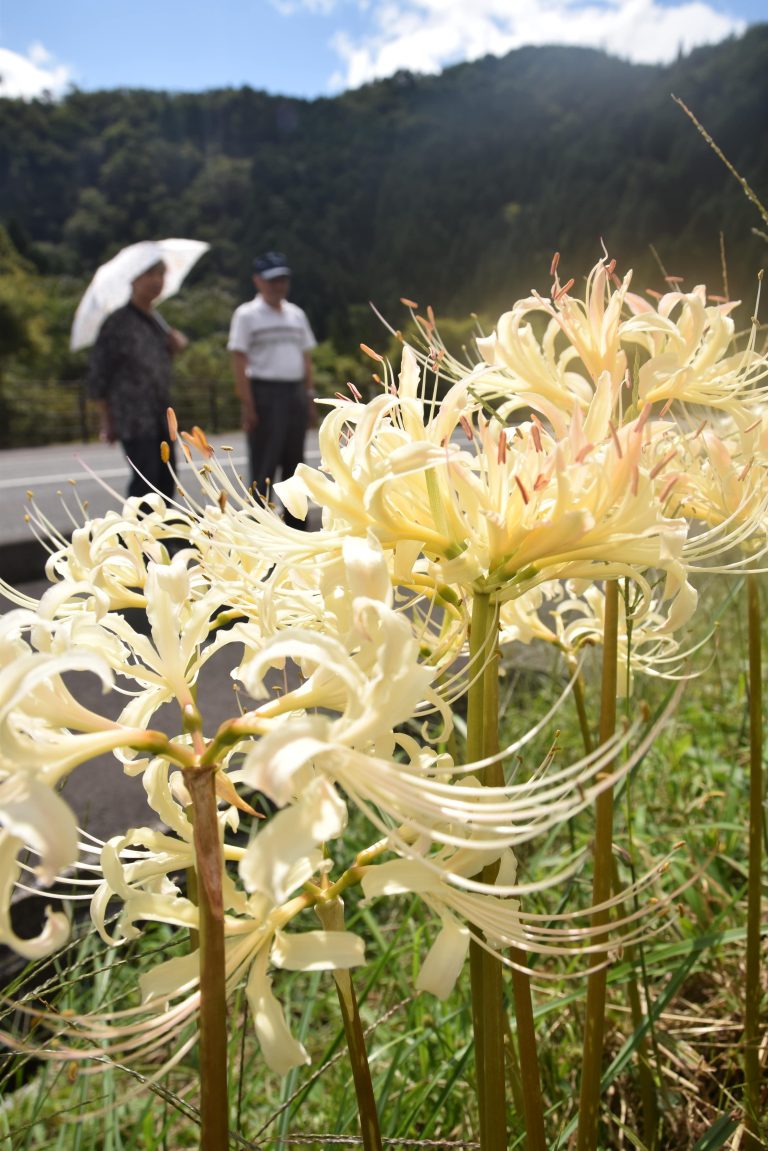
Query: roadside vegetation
point(690, 790)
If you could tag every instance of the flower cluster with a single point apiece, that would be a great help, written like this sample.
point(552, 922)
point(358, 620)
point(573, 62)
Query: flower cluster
point(594, 440)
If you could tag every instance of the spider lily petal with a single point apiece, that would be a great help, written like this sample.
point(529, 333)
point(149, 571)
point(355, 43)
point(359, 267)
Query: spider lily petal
point(281, 1051)
point(34, 817)
point(443, 962)
point(317, 950)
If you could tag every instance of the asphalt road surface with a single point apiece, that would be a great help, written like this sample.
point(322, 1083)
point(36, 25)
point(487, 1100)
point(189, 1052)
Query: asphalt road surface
point(60, 475)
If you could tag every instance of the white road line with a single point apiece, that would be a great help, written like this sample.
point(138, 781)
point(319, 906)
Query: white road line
point(82, 476)
point(38, 481)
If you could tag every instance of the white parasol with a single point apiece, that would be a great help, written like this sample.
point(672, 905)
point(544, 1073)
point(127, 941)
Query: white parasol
point(110, 288)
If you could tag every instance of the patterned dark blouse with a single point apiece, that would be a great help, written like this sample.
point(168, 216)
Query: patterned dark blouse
point(131, 369)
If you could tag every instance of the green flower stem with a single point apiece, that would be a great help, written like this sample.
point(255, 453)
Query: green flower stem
point(194, 934)
point(645, 1075)
point(474, 745)
point(485, 969)
point(513, 1068)
point(646, 1081)
point(594, 1024)
point(482, 627)
point(331, 913)
point(214, 1096)
point(581, 712)
point(533, 1103)
point(476, 972)
point(754, 885)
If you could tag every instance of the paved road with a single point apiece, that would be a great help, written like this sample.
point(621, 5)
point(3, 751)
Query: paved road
point(60, 474)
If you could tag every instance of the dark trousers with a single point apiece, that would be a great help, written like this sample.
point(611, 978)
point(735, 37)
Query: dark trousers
point(276, 444)
point(148, 472)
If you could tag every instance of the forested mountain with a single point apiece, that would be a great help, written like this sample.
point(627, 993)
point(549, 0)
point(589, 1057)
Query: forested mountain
point(454, 190)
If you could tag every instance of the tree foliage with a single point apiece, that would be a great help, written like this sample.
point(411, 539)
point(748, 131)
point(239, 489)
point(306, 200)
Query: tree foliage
point(454, 190)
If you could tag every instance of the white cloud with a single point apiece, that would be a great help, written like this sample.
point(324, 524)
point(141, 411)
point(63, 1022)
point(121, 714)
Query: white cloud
point(427, 35)
point(316, 7)
point(31, 75)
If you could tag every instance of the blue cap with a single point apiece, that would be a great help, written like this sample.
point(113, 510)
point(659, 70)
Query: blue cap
point(271, 265)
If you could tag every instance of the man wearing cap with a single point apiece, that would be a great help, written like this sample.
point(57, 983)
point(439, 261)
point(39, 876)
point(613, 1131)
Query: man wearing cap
point(270, 340)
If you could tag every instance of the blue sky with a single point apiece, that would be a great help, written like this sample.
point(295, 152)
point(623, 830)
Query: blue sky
point(320, 47)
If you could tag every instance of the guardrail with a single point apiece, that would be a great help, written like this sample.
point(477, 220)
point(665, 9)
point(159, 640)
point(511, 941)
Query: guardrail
point(38, 412)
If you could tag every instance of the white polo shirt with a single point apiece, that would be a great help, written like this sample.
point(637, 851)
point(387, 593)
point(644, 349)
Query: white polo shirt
point(273, 340)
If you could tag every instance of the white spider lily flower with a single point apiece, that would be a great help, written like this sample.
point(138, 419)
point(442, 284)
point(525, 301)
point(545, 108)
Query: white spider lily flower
point(647, 640)
point(43, 729)
point(110, 552)
point(570, 617)
point(528, 617)
point(336, 594)
point(529, 374)
point(254, 928)
point(250, 948)
point(285, 853)
point(77, 630)
point(376, 687)
point(445, 958)
point(581, 345)
point(720, 482)
point(179, 624)
point(492, 913)
point(45, 733)
point(139, 878)
point(514, 507)
point(690, 353)
point(685, 345)
point(300, 951)
point(418, 791)
point(360, 443)
point(297, 951)
point(593, 328)
point(171, 1001)
point(163, 666)
point(137, 867)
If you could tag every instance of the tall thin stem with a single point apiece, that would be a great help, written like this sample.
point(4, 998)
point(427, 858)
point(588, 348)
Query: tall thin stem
point(754, 882)
point(485, 969)
point(581, 712)
point(645, 1076)
point(214, 1095)
point(646, 1081)
point(331, 914)
point(594, 1024)
point(533, 1103)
